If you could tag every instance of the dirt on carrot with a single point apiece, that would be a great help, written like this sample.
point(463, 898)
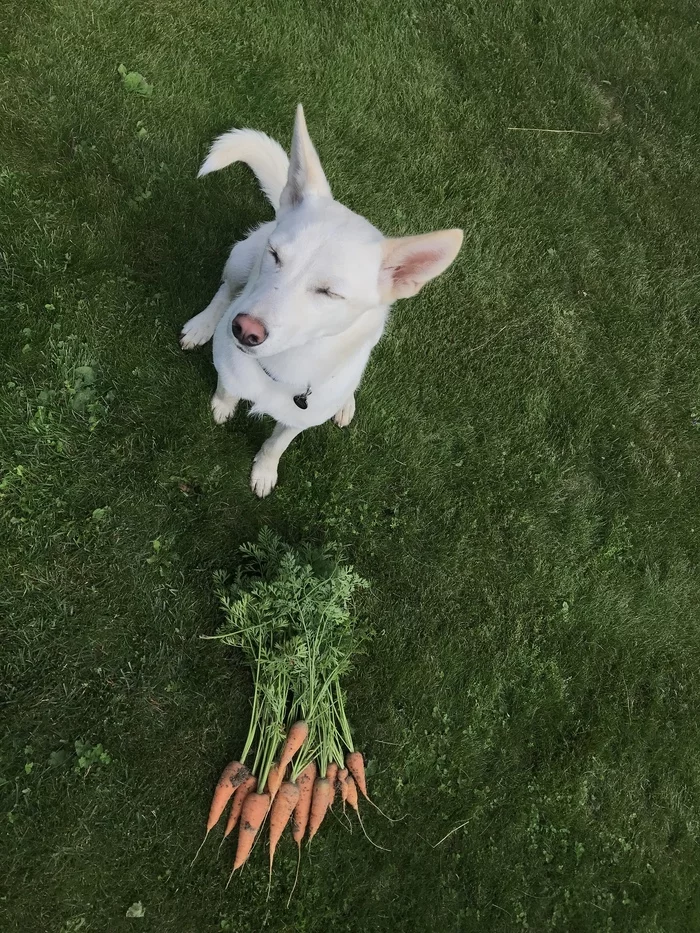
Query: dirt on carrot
point(255, 807)
point(242, 791)
point(231, 777)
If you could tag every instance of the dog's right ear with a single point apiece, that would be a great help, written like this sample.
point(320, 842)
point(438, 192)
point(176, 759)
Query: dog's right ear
point(305, 177)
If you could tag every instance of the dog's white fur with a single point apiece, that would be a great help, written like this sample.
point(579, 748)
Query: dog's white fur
point(321, 280)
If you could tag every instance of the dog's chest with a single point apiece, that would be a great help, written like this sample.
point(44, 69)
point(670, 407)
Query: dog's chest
point(273, 391)
point(318, 402)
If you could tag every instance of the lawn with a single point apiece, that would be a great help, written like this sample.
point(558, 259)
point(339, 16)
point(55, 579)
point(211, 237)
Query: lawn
point(520, 484)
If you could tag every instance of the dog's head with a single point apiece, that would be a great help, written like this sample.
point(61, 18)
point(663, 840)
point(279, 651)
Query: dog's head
point(325, 266)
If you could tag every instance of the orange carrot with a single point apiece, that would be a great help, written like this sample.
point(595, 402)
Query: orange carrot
point(305, 781)
point(356, 767)
point(242, 791)
point(301, 811)
point(351, 792)
point(340, 781)
point(284, 804)
point(353, 801)
point(296, 737)
point(274, 779)
point(233, 774)
point(319, 804)
point(254, 811)
point(332, 774)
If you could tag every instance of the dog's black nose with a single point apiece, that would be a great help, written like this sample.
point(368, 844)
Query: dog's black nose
point(248, 330)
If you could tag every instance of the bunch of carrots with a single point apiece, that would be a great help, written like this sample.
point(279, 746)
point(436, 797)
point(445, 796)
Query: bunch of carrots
point(289, 613)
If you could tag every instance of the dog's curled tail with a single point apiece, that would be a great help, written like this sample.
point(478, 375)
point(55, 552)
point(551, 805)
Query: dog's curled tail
point(266, 157)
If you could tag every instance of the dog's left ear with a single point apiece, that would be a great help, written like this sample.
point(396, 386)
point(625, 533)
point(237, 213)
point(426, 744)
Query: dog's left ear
point(305, 175)
point(409, 262)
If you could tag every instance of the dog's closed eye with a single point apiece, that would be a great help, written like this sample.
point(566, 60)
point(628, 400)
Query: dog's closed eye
point(324, 290)
point(275, 255)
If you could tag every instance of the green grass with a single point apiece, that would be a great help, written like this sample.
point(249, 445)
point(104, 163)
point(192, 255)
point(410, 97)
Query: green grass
point(520, 484)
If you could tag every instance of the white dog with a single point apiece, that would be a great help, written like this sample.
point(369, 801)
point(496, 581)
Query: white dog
point(304, 298)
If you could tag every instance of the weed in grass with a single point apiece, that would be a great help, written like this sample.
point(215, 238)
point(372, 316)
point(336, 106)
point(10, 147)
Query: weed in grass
point(134, 83)
point(90, 756)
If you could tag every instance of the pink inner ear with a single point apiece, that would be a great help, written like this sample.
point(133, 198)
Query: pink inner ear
point(414, 266)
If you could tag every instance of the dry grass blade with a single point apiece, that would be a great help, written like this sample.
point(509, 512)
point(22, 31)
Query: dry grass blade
point(543, 129)
point(447, 835)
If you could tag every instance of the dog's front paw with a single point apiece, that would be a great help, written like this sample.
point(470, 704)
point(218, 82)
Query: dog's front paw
point(223, 407)
point(263, 477)
point(197, 331)
point(343, 417)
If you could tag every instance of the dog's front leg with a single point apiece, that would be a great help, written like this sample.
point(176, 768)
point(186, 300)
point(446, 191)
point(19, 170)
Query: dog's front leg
point(343, 417)
point(263, 477)
point(223, 404)
point(200, 329)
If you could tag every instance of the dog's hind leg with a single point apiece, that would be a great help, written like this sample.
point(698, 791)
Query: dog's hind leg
point(343, 417)
point(200, 328)
point(263, 477)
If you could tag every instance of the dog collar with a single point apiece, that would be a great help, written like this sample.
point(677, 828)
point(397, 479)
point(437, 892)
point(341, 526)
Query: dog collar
point(299, 400)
